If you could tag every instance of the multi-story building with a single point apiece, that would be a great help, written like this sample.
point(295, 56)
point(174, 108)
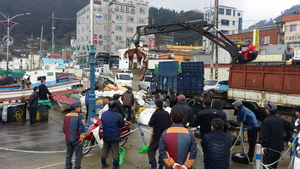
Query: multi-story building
point(230, 22)
point(115, 23)
point(292, 30)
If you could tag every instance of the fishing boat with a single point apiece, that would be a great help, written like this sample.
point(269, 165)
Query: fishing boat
point(56, 84)
point(65, 101)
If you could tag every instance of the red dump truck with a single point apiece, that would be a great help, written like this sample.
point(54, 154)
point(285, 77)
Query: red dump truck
point(258, 84)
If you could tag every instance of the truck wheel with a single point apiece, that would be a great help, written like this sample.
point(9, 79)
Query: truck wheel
point(167, 102)
point(148, 90)
point(140, 87)
point(210, 92)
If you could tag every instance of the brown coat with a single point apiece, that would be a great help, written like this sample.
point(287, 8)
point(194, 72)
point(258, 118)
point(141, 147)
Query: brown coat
point(127, 98)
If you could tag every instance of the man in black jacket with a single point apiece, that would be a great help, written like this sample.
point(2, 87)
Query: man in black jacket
point(119, 106)
point(188, 115)
point(216, 146)
point(32, 106)
point(272, 135)
point(43, 91)
point(160, 121)
point(217, 105)
point(204, 117)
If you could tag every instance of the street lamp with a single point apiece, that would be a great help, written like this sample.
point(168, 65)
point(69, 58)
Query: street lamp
point(8, 25)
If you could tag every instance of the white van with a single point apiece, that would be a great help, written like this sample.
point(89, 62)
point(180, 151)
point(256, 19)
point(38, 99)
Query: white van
point(123, 79)
point(86, 71)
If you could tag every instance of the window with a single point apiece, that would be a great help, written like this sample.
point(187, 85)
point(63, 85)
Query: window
point(119, 17)
point(127, 9)
point(107, 17)
point(106, 37)
point(122, 8)
point(221, 11)
point(117, 8)
point(142, 10)
point(132, 11)
point(130, 19)
point(118, 38)
point(225, 31)
point(265, 40)
point(240, 23)
point(293, 27)
point(142, 21)
point(238, 14)
point(233, 22)
point(87, 38)
point(187, 59)
point(225, 22)
point(82, 29)
point(129, 29)
point(41, 78)
point(228, 11)
point(107, 27)
point(233, 12)
point(119, 28)
point(148, 79)
point(117, 48)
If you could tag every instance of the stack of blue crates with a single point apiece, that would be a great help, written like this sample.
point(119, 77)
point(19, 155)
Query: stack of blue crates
point(192, 68)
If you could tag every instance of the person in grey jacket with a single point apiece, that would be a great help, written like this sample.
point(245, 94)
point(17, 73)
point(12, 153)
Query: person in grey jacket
point(32, 106)
point(128, 101)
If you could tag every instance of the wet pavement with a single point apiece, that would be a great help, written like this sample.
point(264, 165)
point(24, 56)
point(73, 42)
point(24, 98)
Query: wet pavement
point(24, 146)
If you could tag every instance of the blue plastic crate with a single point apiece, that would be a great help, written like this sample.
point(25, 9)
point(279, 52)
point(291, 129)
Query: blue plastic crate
point(168, 68)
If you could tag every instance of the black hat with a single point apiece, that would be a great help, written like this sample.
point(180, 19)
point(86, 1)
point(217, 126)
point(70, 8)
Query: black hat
point(159, 102)
point(116, 96)
point(270, 106)
point(297, 108)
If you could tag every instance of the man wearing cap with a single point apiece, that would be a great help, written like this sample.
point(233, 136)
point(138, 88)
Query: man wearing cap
point(112, 121)
point(119, 106)
point(160, 121)
point(272, 135)
point(247, 52)
point(128, 102)
point(74, 129)
point(248, 118)
point(188, 115)
point(43, 91)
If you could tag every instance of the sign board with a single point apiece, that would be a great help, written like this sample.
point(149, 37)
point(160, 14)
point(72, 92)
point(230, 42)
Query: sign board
point(256, 38)
point(7, 40)
point(268, 58)
point(53, 54)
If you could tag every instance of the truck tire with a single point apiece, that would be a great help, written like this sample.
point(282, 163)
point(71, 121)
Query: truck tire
point(139, 87)
point(240, 158)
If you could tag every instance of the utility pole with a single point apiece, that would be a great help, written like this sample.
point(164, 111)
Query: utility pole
point(217, 26)
point(53, 28)
point(41, 38)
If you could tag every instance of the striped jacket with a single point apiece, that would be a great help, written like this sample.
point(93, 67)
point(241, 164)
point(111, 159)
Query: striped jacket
point(73, 126)
point(178, 145)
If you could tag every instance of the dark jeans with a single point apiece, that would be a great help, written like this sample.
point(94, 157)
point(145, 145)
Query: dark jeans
point(152, 152)
point(241, 59)
point(32, 114)
point(129, 111)
point(252, 138)
point(71, 147)
point(271, 157)
point(114, 147)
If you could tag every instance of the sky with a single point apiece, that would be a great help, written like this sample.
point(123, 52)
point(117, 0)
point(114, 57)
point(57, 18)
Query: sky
point(253, 10)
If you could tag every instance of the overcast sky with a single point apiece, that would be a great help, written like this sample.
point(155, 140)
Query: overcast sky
point(253, 10)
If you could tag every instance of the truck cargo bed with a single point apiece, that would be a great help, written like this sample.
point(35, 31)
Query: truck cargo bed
point(268, 78)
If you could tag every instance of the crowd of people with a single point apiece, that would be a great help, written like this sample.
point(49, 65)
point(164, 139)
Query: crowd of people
point(175, 143)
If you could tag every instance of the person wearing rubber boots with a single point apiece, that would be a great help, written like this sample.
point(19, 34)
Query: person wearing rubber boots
point(74, 129)
point(272, 135)
point(248, 118)
point(112, 121)
point(160, 121)
point(177, 145)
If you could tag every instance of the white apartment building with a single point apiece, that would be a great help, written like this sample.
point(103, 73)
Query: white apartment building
point(230, 22)
point(115, 23)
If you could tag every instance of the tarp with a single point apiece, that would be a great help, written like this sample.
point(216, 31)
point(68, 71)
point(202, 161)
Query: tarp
point(7, 81)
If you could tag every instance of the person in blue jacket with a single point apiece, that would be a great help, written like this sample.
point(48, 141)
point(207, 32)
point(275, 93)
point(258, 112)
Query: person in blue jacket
point(112, 121)
point(248, 118)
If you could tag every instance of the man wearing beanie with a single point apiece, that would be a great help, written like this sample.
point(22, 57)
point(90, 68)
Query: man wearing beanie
point(181, 105)
point(159, 121)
